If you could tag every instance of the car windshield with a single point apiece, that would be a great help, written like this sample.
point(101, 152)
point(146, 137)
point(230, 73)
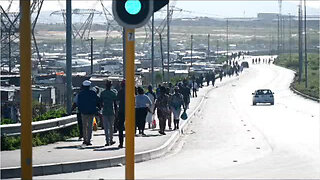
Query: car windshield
point(264, 92)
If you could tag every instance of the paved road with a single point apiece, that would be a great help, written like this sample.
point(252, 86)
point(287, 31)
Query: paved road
point(233, 139)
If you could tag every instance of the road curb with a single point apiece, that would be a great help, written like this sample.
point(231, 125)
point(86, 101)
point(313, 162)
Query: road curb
point(295, 90)
point(302, 94)
point(74, 166)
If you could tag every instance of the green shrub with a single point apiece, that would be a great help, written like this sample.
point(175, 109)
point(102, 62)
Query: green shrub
point(39, 139)
point(6, 121)
point(313, 72)
point(51, 115)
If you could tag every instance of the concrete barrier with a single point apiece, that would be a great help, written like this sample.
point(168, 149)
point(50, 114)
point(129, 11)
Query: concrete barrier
point(39, 126)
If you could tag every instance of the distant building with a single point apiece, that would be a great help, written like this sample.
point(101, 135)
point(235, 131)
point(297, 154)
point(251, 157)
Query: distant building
point(268, 16)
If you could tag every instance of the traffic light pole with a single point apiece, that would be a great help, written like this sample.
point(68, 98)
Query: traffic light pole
point(130, 103)
point(25, 93)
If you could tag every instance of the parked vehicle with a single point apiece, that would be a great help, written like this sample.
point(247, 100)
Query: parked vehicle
point(263, 96)
point(245, 64)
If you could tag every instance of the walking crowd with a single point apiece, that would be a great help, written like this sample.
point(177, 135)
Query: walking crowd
point(166, 103)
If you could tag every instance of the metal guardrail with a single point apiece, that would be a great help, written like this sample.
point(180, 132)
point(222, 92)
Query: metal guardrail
point(40, 126)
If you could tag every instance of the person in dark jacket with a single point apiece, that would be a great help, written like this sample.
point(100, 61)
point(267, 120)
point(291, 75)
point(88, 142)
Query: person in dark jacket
point(162, 106)
point(88, 102)
point(74, 106)
point(213, 77)
point(121, 112)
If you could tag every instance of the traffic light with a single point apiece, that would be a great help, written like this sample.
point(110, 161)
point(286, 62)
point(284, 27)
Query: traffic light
point(135, 13)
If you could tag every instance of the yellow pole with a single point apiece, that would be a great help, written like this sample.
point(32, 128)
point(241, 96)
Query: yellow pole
point(25, 90)
point(130, 103)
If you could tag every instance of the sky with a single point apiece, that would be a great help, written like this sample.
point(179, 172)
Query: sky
point(210, 8)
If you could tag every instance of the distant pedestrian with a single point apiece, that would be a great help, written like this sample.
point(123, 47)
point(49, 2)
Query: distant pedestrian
point(185, 91)
point(162, 106)
point(195, 88)
point(221, 75)
point(213, 77)
point(108, 98)
point(201, 80)
point(208, 78)
point(158, 90)
point(88, 102)
point(143, 104)
point(169, 117)
point(176, 102)
point(152, 97)
point(121, 112)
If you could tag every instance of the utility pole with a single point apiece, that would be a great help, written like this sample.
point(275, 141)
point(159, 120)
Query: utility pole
point(255, 37)
point(280, 27)
point(69, 54)
point(305, 45)
point(283, 34)
point(162, 59)
point(191, 50)
point(227, 39)
point(25, 91)
point(208, 54)
point(9, 55)
point(270, 45)
point(290, 38)
point(217, 53)
point(168, 39)
point(152, 50)
point(124, 53)
point(278, 35)
point(91, 45)
point(300, 42)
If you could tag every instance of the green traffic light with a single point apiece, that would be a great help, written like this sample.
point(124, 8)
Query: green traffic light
point(133, 6)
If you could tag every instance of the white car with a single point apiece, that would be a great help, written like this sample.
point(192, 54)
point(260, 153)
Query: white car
point(263, 96)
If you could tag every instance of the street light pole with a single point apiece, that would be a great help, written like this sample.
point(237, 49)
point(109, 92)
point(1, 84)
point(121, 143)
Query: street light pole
point(191, 50)
point(305, 46)
point(69, 54)
point(91, 44)
point(208, 55)
point(152, 50)
point(300, 43)
point(168, 36)
point(25, 91)
point(227, 39)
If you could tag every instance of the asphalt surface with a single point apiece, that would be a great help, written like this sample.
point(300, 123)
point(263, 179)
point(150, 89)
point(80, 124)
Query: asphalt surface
point(230, 138)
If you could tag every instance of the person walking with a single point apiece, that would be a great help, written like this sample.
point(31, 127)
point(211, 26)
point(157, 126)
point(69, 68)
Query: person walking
point(152, 97)
point(176, 102)
point(213, 77)
point(108, 98)
point(121, 112)
point(143, 104)
point(186, 94)
point(195, 88)
point(162, 106)
point(88, 102)
point(208, 78)
point(169, 117)
point(98, 115)
point(74, 106)
point(221, 75)
point(201, 80)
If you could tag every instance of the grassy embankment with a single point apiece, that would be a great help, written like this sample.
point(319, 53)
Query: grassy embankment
point(313, 73)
